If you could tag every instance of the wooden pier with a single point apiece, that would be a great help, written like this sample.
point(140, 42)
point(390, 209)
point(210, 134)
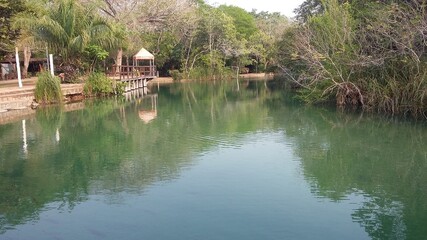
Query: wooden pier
point(134, 77)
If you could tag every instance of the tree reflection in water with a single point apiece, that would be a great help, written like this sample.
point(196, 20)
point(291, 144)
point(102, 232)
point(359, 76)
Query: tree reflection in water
point(105, 147)
point(384, 160)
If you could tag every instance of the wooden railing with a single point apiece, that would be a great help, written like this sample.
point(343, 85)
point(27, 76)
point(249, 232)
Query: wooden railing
point(124, 72)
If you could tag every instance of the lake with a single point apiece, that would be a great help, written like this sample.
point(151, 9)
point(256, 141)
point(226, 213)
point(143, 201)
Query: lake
point(211, 161)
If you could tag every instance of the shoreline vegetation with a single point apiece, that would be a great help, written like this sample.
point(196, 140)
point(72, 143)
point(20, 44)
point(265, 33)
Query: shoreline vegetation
point(360, 54)
point(368, 55)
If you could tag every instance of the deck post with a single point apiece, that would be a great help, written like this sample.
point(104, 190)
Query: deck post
point(52, 71)
point(136, 77)
point(18, 68)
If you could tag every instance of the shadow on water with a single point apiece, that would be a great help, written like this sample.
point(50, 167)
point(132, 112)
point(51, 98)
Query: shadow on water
point(126, 144)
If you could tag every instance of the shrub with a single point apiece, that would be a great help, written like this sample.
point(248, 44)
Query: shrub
point(98, 84)
point(48, 89)
point(176, 75)
point(120, 88)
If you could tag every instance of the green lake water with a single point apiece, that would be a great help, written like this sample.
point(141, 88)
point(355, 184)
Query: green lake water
point(211, 161)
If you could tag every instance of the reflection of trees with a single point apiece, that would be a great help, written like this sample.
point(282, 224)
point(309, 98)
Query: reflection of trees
point(382, 218)
point(106, 148)
point(386, 160)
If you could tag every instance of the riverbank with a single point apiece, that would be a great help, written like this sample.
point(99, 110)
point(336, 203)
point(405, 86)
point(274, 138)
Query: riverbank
point(252, 76)
point(257, 75)
point(16, 103)
point(12, 97)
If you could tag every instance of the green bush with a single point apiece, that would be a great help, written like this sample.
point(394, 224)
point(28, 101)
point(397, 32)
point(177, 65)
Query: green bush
point(176, 75)
point(120, 88)
point(48, 89)
point(98, 84)
point(371, 56)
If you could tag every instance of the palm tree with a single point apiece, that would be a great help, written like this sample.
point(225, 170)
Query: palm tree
point(68, 28)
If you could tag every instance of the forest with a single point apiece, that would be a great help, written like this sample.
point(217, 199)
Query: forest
point(186, 36)
point(356, 54)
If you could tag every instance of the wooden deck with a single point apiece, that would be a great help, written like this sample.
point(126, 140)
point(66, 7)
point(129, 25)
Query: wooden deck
point(135, 77)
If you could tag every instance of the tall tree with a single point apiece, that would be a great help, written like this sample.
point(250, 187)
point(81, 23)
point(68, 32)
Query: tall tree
point(145, 23)
point(8, 35)
point(243, 21)
point(26, 41)
point(308, 9)
point(216, 39)
point(121, 13)
point(246, 30)
point(68, 28)
point(271, 28)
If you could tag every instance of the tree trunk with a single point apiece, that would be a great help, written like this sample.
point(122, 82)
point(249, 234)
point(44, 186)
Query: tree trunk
point(119, 60)
point(27, 57)
point(187, 59)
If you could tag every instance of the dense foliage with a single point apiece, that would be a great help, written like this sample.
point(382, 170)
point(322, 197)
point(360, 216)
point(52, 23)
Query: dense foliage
point(8, 9)
point(99, 84)
point(361, 53)
point(68, 29)
point(189, 36)
point(368, 54)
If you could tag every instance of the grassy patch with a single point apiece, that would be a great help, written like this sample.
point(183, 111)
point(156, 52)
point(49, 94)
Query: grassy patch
point(48, 89)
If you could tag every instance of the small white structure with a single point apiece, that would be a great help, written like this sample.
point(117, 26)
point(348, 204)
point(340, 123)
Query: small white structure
point(18, 68)
point(140, 72)
point(143, 54)
point(140, 59)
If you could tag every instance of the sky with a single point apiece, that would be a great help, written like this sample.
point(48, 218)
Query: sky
point(286, 7)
